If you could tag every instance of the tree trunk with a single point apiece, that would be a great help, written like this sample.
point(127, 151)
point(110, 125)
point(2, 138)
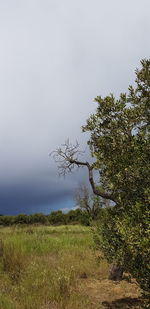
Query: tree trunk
point(115, 272)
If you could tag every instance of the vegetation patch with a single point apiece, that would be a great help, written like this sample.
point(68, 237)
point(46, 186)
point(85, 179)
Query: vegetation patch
point(39, 271)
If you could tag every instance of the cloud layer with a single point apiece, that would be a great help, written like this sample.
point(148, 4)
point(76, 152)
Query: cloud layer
point(55, 57)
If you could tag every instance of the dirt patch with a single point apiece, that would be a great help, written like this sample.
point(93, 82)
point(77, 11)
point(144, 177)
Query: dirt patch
point(112, 295)
point(125, 303)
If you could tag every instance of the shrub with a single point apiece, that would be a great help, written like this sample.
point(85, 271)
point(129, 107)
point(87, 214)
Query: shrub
point(57, 217)
point(124, 238)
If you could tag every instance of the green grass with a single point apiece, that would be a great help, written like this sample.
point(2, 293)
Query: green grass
point(40, 266)
point(43, 267)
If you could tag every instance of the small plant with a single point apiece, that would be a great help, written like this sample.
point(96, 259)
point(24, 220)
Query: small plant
point(64, 281)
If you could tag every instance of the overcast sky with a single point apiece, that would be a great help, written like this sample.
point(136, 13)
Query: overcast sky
point(55, 57)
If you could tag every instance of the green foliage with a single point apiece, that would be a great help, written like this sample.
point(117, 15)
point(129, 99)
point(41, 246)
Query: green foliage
point(54, 218)
point(120, 143)
point(85, 219)
point(74, 215)
point(124, 238)
point(37, 218)
point(57, 217)
point(120, 140)
point(78, 216)
point(106, 236)
point(21, 219)
point(6, 220)
point(134, 230)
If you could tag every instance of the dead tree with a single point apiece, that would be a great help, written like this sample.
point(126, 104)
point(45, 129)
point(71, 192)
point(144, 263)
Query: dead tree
point(67, 158)
point(87, 201)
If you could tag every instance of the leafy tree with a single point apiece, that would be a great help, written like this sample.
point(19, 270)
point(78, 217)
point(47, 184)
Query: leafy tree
point(38, 218)
point(120, 146)
point(85, 219)
point(78, 216)
point(6, 220)
point(134, 230)
point(57, 217)
point(73, 216)
point(120, 141)
point(21, 219)
point(124, 237)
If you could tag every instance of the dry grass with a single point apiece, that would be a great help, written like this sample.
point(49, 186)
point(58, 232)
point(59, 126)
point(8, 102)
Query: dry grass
point(56, 268)
point(111, 294)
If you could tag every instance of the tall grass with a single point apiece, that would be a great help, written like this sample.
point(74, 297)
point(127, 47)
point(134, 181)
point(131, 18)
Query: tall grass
point(47, 267)
point(40, 267)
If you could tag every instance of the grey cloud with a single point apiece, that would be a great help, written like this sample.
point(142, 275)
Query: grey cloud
point(55, 57)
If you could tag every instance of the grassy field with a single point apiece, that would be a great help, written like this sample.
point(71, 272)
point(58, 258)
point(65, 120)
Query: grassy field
point(56, 268)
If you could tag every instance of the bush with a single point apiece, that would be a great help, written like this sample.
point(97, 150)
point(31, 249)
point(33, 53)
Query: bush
point(57, 217)
point(21, 219)
point(6, 220)
point(85, 219)
point(134, 229)
point(124, 238)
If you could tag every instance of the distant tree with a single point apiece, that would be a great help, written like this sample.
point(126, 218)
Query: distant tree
point(38, 218)
point(73, 216)
point(21, 219)
point(120, 144)
point(6, 220)
point(88, 202)
point(57, 217)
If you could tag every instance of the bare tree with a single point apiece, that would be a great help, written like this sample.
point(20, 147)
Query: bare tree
point(88, 201)
point(67, 157)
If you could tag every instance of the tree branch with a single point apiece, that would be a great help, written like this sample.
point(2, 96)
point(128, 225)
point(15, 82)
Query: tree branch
point(96, 190)
point(67, 159)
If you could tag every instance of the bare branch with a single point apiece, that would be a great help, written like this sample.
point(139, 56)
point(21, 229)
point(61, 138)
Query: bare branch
point(67, 158)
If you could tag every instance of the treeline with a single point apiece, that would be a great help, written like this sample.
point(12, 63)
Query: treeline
point(54, 218)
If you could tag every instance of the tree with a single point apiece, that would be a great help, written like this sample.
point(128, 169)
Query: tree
point(119, 143)
point(90, 203)
point(38, 218)
point(120, 146)
point(21, 219)
point(57, 217)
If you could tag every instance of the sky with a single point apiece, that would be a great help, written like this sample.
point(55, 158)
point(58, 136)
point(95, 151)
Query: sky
point(55, 57)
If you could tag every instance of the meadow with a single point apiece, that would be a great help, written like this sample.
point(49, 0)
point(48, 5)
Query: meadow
point(56, 267)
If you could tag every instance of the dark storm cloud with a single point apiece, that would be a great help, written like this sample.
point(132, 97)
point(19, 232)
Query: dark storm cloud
point(55, 57)
point(28, 200)
point(34, 196)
